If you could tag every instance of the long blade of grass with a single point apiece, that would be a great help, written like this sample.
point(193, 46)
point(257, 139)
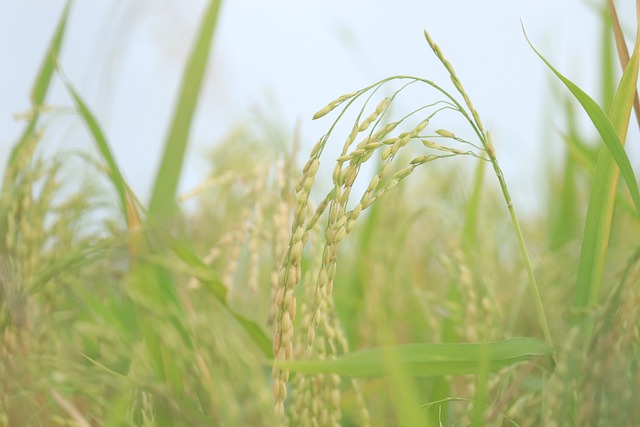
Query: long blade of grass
point(602, 200)
point(603, 124)
point(613, 130)
point(42, 82)
point(623, 52)
point(128, 205)
point(163, 203)
point(115, 176)
point(606, 63)
point(429, 360)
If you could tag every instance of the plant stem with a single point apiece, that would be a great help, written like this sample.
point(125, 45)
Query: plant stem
point(474, 119)
point(533, 286)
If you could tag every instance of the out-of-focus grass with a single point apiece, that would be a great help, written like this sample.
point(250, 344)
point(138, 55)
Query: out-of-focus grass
point(147, 319)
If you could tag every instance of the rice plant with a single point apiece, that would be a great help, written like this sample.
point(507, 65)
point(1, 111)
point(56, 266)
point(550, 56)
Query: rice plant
point(391, 285)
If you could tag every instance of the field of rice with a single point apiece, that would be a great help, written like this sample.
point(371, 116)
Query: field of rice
point(392, 284)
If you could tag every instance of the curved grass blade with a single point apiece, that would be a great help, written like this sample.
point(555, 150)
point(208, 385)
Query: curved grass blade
point(128, 205)
point(38, 94)
point(43, 81)
point(603, 124)
point(124, 194)
point(428, 360)
point(602, 200)
point(623, 53)
point(606, 62)
point(613, 130)
point(163, 204)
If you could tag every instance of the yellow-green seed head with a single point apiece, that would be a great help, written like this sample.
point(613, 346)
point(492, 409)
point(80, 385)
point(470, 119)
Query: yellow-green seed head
point(401, 174)
point(355, 213)
point(445, 133)
point(374, 183)
point(382, 106)
point(421, 126)
point(386, 153)
point(350, 176)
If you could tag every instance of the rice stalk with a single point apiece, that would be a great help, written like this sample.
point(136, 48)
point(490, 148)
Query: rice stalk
point(340, 217)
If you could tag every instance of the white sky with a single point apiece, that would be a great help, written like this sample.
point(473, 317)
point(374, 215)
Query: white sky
point(290, 58)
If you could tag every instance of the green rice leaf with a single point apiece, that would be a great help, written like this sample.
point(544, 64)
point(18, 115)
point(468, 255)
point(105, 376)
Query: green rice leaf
point(613, 130)
point(606, 62)
point(47, 68)
point(602, 200)
point(428, 360)
point(163, 204)
point(103, 145)
point(603, 124)
point(623, 53)
point(41, 85)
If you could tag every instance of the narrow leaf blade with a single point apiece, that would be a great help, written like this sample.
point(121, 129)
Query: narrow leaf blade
point(162, 203)
point(101, 142)
point(42, 83)
point(125, 195)
point(605, 129)
point(623, 53)
point(601, 204)
point(428, 360)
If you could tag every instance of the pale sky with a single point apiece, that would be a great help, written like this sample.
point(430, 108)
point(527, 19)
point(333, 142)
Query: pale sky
point(288, 59)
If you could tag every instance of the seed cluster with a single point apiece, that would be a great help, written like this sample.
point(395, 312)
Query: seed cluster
point(317, 397)
point(38, 228)
point(288, 278)
point(341, 215)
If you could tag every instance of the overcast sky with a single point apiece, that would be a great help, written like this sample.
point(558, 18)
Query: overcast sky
point(288, 59)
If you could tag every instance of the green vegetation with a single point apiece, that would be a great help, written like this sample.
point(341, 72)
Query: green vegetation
point(404, 293)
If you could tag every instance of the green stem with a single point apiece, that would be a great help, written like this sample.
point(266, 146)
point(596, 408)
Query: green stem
point(533, 286)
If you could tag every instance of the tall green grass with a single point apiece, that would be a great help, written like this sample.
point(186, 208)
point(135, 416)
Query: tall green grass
point(405, 297)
